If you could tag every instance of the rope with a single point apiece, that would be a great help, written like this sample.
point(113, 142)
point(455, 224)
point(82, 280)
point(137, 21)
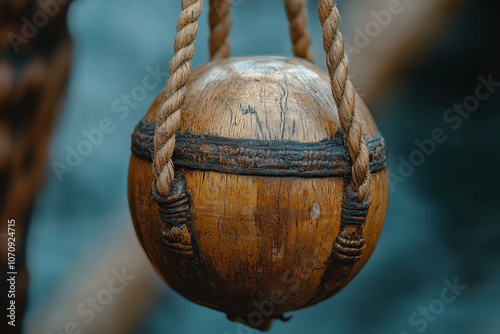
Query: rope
point(296, 11)
point(168, 119)
point(219, 18)
point(351, 122)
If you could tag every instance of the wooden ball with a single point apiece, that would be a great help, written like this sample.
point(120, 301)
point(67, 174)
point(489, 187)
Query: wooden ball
point(256, 225)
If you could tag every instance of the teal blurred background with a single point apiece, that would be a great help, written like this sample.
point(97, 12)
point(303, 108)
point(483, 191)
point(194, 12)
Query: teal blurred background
point(442, 223)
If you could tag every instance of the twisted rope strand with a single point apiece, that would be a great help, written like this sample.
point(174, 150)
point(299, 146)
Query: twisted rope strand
point(220, 24)
point(351, 121)
point(296, 11)
point(168, 119)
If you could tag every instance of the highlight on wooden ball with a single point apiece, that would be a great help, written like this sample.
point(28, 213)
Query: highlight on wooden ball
point(258, 185)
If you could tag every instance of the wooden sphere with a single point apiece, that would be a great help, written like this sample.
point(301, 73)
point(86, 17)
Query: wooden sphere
point(261, 174)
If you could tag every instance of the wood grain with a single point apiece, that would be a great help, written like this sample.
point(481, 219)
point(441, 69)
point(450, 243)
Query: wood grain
point(257, 240)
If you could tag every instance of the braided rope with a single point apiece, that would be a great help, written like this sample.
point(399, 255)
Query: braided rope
point(168, 119)
point(296, 11)
point(351, 121)
point(220, 21)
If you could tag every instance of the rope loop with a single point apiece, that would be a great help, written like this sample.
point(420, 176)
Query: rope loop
point(352, 125)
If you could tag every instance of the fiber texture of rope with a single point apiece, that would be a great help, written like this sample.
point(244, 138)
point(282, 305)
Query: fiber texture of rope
point(351, 121)
point(344, 94)
point(168, 119)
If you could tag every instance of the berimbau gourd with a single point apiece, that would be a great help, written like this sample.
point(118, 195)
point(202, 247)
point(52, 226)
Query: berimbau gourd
point(258, 186)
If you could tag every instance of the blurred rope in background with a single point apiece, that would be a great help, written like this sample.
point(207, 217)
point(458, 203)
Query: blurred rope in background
point(35, 59)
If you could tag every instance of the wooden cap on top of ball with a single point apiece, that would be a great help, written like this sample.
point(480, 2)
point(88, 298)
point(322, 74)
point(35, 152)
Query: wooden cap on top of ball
point(258, 185)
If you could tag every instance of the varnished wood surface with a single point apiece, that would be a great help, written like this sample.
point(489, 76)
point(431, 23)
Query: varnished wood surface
point(256, 236)
point(264, 98)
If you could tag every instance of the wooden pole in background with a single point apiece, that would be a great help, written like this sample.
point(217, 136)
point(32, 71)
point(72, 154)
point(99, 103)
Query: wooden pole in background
point(35, 59)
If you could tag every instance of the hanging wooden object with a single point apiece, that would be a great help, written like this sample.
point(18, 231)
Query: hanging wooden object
point(280, 187)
